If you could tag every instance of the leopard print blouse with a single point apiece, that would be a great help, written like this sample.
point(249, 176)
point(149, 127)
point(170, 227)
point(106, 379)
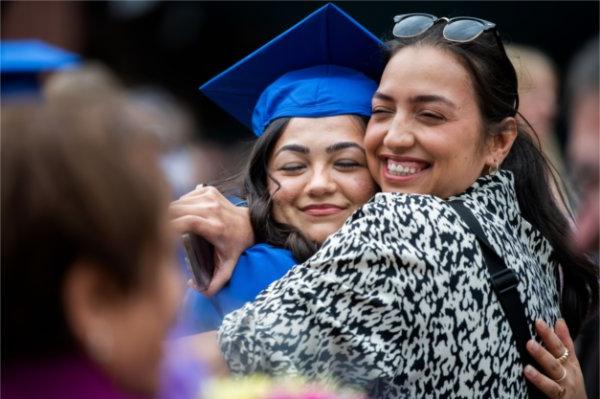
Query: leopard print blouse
point(398, 301)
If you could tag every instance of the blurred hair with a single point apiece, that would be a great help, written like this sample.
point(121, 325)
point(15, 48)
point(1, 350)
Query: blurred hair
point(495, 84)
point(527, 62)
point(87, 82)
point(78, 183)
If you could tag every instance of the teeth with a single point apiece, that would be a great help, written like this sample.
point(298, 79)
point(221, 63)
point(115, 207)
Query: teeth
point(401, 170)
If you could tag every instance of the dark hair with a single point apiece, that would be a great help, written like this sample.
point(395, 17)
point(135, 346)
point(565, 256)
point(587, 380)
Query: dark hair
point(256, 191)
point(495, 83)
point(77, 184)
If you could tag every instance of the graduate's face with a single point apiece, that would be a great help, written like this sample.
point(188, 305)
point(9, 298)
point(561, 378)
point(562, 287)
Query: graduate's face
point(425, 135)
point(321, 168)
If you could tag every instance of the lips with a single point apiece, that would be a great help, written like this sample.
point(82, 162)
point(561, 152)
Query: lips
point(322, 209)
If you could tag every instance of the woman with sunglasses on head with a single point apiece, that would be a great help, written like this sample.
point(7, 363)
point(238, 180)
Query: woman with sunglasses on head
point(400, 300)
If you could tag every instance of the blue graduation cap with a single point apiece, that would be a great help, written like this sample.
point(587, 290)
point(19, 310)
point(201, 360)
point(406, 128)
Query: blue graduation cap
point(327, 64)
point(22, 62)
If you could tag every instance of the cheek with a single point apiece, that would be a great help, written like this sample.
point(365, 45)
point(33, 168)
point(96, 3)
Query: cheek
point(458, 145)
point(284, 197)
point(372, 142)
point(360, 188)
point(373, 138)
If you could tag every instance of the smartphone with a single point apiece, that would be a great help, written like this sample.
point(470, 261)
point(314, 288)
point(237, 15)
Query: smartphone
point(199, 258)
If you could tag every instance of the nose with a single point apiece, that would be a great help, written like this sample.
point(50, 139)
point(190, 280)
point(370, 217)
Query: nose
point(321, 183)
point(399, 135)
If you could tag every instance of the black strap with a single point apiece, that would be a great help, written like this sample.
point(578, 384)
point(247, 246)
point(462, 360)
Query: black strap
point(504, 282)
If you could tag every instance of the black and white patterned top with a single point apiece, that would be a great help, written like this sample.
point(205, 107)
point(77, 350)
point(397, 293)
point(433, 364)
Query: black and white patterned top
point(398, 301)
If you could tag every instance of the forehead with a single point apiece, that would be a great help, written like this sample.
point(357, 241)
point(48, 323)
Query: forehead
point(321, 132)
point(426, 68)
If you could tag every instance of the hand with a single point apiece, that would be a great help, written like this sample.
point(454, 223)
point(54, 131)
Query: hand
point(561, 379)
point(206, 212)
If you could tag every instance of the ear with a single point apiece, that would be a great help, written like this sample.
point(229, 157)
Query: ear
point(501, 142)
point(88, 297)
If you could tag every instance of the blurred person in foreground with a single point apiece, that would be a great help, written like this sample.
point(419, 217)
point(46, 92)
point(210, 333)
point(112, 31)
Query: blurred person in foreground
point(583, 91)
point(89, 286)
point(167, 124)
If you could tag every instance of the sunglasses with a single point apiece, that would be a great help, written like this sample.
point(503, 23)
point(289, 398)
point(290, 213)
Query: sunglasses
point(459, 29)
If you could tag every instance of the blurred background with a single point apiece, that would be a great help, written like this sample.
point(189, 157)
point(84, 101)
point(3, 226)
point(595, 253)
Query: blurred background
point(163, 50)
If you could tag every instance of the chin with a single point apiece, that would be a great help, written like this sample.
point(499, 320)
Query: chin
point(320, 236)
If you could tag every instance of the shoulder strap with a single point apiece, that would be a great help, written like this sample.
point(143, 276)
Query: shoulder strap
point(504, 282)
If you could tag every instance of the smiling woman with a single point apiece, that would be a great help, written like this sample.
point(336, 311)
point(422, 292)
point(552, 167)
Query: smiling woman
point(426, 135)
point(319, 174)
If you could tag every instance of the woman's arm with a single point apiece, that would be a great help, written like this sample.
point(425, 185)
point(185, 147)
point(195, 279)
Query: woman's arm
point(562, 379)
point(206, 212)
point(340, 311)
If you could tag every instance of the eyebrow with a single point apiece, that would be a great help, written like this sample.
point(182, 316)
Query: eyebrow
point(295, 148)
point(342, 145)
point(425, 98)
point(431, 98)
point(382, 96)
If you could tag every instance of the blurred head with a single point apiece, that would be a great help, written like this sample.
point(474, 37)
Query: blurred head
point(306, 177)
point(584, 142)
point(86, 250)
point(443, 114)
point(538, 88)
point(583, 90)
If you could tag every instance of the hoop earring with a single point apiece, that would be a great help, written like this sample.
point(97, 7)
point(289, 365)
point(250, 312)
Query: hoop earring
point(493, 169)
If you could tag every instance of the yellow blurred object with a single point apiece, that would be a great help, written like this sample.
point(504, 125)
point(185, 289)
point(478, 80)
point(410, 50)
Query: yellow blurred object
point(259, 386)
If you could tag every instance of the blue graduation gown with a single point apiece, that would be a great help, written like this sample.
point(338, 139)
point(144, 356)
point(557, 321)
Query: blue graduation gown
point(257, 267)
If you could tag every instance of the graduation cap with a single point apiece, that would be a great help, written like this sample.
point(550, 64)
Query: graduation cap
point(23, 61)
point(327, 64)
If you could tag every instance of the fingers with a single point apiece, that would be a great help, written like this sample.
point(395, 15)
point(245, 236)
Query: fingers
point(199, 208)
point(209, 229)
point(546, 385)
point(204, 197)
point(562, 331)
point(550, 339)
point(221, 276)
point(202, 190)
point(206, 202)
point(546, 360)
point(198, 189)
